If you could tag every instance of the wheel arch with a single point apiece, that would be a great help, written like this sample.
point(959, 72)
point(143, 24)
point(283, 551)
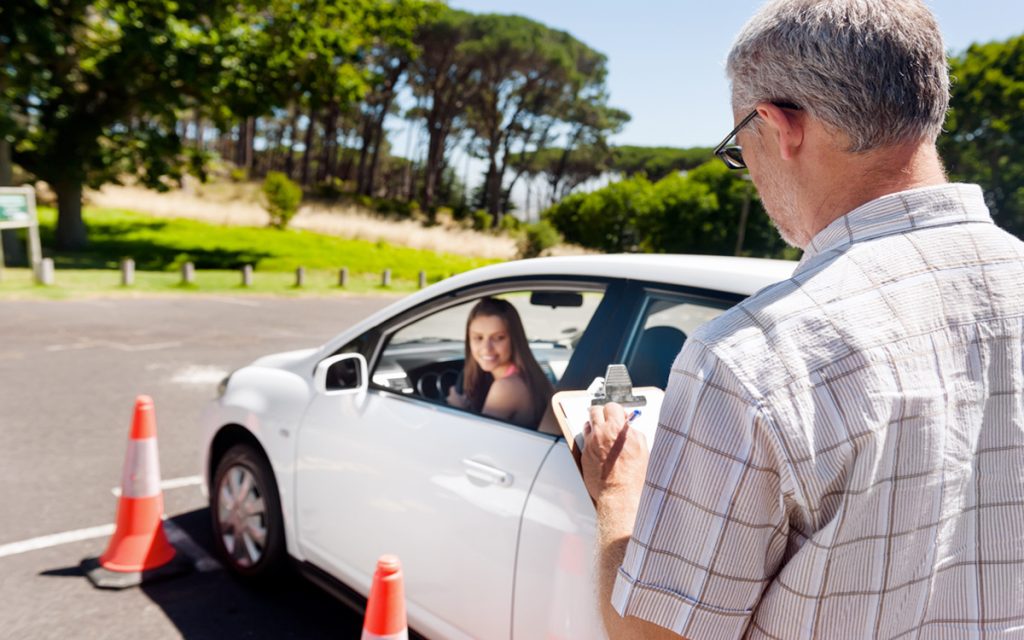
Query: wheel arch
point(228, 436)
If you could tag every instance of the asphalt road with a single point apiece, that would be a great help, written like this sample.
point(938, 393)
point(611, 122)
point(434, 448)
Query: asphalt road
point(69, 374)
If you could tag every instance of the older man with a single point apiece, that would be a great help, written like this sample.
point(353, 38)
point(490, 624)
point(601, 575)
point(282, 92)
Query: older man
point(842, 454)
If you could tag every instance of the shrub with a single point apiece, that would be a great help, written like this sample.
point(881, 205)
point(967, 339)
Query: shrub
point(509, 223)
point(482, 220)
point(238, 174)
point(283, 198)
point(538, 238)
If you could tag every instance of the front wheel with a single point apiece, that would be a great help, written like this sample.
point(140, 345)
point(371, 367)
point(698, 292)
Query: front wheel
point(246, 510)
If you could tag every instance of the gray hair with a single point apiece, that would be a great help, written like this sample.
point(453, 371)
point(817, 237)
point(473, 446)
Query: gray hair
point(875, 70)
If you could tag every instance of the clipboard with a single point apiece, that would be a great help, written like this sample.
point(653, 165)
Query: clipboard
point(572, 408)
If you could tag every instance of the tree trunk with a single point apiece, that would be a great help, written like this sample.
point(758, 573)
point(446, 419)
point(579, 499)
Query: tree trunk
point(311, 123)
point(250, 142)
point(293, 129)
point(323, 165)
point(71, 232)
point(6, 166)
point(431, 171)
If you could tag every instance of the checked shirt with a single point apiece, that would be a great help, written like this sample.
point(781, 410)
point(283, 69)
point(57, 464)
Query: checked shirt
point(842, 454)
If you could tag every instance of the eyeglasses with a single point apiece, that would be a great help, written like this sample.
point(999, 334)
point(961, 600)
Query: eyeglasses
point(732, 154)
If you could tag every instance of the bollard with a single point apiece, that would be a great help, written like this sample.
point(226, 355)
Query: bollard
point(44, 272)
point(300, 277)
point(127, 272)
point(423, 279)
point(385, 279)
point(247, 275)
point(188, 273)
point(343, 277)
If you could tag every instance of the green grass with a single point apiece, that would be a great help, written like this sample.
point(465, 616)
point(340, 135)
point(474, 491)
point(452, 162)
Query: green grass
point(160, 246)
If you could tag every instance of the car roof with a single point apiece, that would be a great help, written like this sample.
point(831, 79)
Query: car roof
point(743, 276)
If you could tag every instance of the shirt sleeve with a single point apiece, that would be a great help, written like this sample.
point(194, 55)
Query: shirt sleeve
point(711, 528)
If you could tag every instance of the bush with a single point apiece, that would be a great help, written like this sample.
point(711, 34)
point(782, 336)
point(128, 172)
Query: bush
point(238, 174)
point(482, 220)
point(538, 238)
point(283, 198)
point(509, 223)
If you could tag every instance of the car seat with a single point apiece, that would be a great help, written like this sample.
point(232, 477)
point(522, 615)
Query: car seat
point(654, 354)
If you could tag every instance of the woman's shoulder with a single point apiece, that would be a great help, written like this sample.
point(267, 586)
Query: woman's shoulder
point(510, 383)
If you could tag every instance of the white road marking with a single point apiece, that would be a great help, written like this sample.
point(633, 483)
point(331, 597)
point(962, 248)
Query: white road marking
point(199, 374)
point(43, 542)
point(173, 483)
point(175, 535)
point(87, 343)
point(238, 301)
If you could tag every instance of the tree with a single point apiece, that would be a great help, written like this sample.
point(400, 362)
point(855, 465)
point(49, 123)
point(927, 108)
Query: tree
point(657, 162)
point(442, 80)
point(532, 79)
point(984, 142)
point(387, 60)
point(92, 88)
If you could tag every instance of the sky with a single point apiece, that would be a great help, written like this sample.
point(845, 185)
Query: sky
point(666, 58)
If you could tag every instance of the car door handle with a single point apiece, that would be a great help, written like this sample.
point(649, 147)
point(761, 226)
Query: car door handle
point(487, 473)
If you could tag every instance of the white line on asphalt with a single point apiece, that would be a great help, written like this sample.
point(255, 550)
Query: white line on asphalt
point(173, 483)
point(55, 539)
point(199, 374)
point(175, 535)
point(240, 302)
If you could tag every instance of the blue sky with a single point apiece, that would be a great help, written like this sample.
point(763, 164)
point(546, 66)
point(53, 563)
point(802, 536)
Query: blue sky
point(666, 57)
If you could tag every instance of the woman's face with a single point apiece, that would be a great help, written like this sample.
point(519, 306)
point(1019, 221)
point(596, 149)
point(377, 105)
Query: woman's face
point(489, 342)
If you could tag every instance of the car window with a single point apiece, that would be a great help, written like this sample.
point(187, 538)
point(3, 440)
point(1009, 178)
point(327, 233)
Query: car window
point(665, 323)
point(426, 357)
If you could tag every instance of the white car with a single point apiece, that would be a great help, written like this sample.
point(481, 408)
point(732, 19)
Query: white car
point(335, 455)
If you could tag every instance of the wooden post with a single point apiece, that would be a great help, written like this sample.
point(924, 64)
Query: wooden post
point(300, 277)
point(385, 279)
point(247, 275)
point(44, 272)
point(188, 273)
point(423, 279)
point(343, 277)
point(127, 272)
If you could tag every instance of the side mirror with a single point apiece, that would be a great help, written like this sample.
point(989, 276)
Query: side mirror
point(342, 374)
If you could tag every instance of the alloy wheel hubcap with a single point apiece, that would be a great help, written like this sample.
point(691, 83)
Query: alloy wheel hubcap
point(241, 513)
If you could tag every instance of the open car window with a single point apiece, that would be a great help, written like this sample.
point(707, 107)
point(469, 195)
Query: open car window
point(424, 359)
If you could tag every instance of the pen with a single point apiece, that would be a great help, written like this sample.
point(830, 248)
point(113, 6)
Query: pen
point(633, 416)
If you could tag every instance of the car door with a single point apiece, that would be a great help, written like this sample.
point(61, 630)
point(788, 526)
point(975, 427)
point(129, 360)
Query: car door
point(395, 470)
point(556, 578)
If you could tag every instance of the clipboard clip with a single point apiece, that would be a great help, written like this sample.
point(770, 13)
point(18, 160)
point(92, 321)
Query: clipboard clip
point(616, 386)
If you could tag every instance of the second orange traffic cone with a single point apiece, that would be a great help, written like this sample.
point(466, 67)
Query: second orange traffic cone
point(139, 546)
point(385, 609)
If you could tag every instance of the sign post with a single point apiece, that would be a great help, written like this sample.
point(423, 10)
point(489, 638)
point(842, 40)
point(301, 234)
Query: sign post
point(17, 211)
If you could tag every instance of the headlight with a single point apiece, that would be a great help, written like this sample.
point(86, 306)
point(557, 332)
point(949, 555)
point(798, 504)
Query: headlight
point(222, 386)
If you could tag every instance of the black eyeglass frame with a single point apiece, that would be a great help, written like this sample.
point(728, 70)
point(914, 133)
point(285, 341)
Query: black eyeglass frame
point(732, 154)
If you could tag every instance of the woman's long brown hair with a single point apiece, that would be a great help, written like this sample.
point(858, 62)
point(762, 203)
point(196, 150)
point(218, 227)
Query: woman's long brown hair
point(476, 382)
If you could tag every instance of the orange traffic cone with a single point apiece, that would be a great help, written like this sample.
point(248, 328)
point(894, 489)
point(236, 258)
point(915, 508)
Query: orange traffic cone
point(139, 546)
point(385, 609)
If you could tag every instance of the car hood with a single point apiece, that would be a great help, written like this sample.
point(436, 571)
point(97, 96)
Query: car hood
point(285, 360)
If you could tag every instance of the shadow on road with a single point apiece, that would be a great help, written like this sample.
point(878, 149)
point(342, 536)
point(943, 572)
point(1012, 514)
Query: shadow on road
point(216, 605)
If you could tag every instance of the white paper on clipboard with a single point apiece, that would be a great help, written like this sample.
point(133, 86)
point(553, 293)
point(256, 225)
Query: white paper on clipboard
point(572, 411)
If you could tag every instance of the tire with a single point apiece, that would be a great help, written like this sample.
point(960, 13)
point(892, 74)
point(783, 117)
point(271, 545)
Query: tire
point(245, 508)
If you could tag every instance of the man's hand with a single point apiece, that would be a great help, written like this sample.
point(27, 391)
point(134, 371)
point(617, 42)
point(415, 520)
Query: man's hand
point(614, 456)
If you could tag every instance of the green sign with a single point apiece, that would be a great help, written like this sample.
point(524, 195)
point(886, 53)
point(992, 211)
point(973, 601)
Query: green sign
point(14, 208)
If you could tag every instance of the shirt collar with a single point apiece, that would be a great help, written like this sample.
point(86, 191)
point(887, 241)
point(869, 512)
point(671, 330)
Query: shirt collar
point(898, 212)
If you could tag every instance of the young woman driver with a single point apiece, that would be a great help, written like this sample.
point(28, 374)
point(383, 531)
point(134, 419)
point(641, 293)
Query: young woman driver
point(501, 378)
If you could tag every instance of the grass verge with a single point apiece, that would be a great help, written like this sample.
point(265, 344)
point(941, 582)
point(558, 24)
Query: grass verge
point(160, 246)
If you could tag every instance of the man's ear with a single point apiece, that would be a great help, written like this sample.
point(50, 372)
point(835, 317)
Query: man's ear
point(787, 125)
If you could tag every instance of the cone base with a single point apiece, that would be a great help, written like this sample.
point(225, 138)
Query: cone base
point(103, 578)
